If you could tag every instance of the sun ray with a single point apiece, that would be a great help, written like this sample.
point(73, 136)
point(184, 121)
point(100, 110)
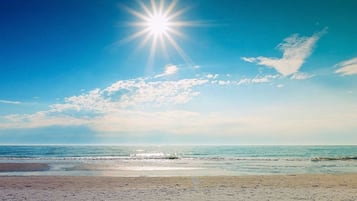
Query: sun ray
point(153, 6)
point(179, 50)
point(176, 32)
point(163, 46)
point(145, 8)
point(185, 24)
point(170, 8)
point(136, 13)
point(161, 8)
point(176, 14)
point(152, 52)
point(136, 35)
point(145, 41)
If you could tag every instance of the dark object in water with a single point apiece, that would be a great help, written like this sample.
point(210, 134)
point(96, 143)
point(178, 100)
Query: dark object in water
point(173, 157)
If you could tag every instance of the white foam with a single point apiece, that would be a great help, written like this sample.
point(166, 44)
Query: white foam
point(156, 168)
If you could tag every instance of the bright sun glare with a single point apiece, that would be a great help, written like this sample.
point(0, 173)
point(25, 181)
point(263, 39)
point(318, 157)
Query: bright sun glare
point(159, 24)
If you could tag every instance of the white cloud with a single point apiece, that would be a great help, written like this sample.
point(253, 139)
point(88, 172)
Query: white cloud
point(138, 121)
point(258, 79)
point(173, 122)
point(295, 50)
point(244, 81)
point(348, 67)
point(301, 76)
point(139, 106)
point(249, 59)
point(115, 115)
point(212, 76)
point(132, 106)
point(127, 121)
point(41, 119)
point(224, 82)
point(131, 93)
point(255, 80)
point(273, 121)
point(94, 100)
point(169, 70)
point(121, 98)
point(261, 79)
point(10, 102)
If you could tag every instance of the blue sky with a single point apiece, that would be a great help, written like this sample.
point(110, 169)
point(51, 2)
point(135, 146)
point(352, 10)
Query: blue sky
point(234, 72)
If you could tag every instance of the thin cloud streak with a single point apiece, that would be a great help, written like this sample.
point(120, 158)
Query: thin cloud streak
point(10, 102)
point(169, 70)
point(348, 67)
point(301, 76)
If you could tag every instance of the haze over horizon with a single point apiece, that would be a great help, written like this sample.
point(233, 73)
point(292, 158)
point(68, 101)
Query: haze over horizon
point(178, 72)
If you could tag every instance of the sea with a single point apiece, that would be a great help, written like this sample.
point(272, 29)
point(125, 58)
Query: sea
point(160, 160)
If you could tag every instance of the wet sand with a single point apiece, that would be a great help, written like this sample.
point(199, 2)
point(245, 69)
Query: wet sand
point(23, 167)
point(288, 187)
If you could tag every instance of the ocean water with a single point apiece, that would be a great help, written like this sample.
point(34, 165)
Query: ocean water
point(182, 160)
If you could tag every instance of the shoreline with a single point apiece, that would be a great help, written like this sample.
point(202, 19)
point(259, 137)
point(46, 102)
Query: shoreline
point(139, 169)
point(267, 187)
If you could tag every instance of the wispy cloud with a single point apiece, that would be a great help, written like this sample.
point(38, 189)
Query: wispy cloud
point(10, 102)
point(296, 49)
point(173, 121)
point(348, 67)
point(249, 59)
point(41, 119)
point(132, 93)
point(257, 79)
point(301, 76)
point(169, 70)
point(212, 76)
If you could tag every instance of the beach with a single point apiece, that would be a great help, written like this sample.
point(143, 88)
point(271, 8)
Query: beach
point(257, 173)
point(269, 187)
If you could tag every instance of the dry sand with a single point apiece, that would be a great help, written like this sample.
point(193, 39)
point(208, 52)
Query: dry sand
point(289, 187)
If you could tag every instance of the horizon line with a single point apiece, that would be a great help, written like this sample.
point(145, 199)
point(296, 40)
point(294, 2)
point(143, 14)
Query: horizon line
point(150, 144)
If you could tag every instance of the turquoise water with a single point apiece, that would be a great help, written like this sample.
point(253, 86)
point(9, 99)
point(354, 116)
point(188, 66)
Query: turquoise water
point(183, 160)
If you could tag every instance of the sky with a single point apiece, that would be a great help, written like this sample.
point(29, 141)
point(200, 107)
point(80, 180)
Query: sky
point(178, 72)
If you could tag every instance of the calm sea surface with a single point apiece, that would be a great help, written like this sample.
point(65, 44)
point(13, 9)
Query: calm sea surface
point(182, 160)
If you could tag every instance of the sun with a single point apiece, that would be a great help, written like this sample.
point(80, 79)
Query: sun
point(158, 24)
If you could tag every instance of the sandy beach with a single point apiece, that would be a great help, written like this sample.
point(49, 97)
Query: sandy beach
point(289, 187)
